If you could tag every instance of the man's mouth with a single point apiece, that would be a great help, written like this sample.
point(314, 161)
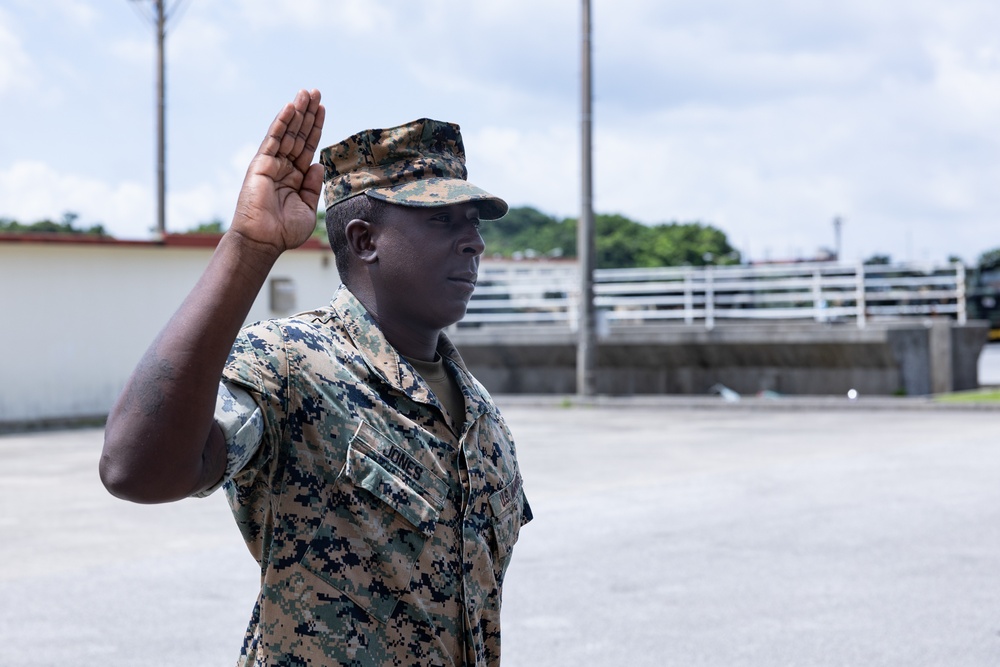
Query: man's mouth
point(465, 278)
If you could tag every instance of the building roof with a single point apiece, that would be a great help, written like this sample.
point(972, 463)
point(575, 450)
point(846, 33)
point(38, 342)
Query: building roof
point(169, 240)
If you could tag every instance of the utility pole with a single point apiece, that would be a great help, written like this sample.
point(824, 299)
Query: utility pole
point(586, 342)
point(159, 19)
point(161, 125)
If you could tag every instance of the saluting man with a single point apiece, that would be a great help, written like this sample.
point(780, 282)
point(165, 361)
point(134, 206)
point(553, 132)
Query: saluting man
point(372, 477)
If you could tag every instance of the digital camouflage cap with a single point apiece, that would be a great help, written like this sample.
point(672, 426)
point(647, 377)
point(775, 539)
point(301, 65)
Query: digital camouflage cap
point(420, 163)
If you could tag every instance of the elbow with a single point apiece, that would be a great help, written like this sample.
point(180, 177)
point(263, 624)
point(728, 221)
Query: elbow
point(145, 467)
point(116, 475)
point(116, 478)
point(127, 477)
point(133, 487)
point(112, 477)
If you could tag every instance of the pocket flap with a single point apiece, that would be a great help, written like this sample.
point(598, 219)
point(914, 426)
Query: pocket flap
point(380, 466)
point(505, 499)
point(369, 474)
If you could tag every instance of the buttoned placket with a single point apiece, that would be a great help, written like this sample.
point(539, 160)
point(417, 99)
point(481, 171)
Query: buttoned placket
point(468, 461)
point(473, 412)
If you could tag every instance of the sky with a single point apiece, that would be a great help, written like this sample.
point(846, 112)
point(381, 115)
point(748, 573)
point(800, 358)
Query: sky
point(766, 119)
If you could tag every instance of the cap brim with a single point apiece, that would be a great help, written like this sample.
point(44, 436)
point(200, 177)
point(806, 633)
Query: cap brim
point(442, 192)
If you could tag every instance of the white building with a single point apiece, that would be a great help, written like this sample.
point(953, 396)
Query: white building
point(77, 313)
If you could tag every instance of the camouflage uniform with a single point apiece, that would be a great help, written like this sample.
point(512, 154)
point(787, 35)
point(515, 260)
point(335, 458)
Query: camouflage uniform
point(382, 536)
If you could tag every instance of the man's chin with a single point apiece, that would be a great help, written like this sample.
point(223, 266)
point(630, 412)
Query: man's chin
point(454, 316)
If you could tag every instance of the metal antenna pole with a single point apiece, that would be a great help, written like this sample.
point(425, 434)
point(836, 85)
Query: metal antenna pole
point(161, 144)
point(159, 17)
point(586, 343)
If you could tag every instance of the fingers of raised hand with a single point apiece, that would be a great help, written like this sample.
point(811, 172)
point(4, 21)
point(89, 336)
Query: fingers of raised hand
point(294, 134)
point(311, 136)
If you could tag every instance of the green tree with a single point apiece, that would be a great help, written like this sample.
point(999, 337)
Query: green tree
point(212, 227)
point(989, 259)
point(526, 228)
point(689, 244)
point(216, 226)
point(619, 241)
point(320, 231)
point(46, 226)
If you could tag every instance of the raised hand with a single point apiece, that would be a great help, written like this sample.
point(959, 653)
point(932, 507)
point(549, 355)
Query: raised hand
point(277, 204)
point(161, 439)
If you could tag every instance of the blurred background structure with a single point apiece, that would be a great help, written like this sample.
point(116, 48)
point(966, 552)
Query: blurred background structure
point(804, 328)
point(725, 140)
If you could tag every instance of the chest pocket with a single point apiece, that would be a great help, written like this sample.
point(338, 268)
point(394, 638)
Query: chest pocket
point(509, 511)
point(382, 508)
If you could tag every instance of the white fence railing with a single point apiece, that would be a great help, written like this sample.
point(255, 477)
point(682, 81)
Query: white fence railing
point(548, 293)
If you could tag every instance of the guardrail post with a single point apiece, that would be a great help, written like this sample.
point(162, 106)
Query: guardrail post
point(960, 292)
point(817, 294)
point(688, 298)
point(709, 299)
point(859, 299)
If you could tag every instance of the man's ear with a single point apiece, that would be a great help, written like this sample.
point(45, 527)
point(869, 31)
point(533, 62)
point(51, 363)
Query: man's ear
point(361, 240)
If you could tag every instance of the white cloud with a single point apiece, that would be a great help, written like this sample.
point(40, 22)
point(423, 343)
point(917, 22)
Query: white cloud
point(536, 167)
point(764, 119)
point(968, 81)
point(311, 15)
point(198, 47)
point(81, 14)
point(16, 67)
point(34, 190)
point(132, 49)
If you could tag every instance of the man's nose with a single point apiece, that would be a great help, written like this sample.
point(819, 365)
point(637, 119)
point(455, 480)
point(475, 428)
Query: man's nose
point(472, 242)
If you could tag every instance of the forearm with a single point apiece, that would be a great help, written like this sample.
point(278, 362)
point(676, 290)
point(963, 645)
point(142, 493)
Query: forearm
point(159, 440)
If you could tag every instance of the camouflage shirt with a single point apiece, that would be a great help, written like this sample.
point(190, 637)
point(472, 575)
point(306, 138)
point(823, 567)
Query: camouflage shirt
point(382, 536)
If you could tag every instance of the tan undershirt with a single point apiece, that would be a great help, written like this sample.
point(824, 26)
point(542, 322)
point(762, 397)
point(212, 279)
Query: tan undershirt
point(445, 388)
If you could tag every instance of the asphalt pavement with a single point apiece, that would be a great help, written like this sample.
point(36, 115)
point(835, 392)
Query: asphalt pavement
point(665, 534)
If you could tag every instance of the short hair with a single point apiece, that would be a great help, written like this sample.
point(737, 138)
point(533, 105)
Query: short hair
point(360, 207)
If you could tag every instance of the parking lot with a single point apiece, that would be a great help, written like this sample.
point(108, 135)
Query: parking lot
point(665, 534)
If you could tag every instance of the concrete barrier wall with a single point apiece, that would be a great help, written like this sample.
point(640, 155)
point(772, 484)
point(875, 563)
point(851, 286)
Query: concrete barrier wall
point(898, 358)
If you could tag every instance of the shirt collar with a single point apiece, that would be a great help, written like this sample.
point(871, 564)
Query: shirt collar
point(383, 359)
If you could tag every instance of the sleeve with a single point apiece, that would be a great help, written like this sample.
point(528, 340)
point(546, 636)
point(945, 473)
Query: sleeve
point(241, 421)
